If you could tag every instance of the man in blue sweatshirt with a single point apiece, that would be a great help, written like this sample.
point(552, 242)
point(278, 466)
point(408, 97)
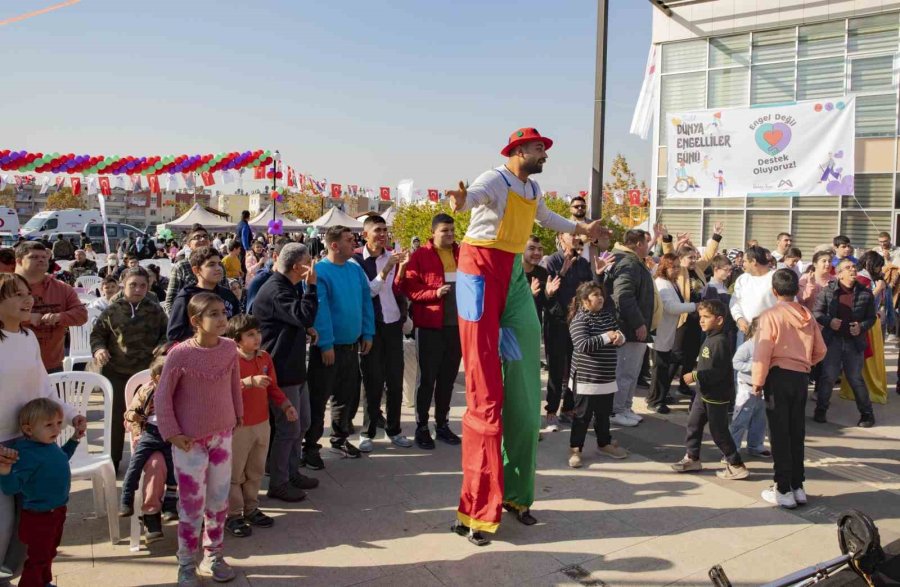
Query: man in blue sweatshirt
point(345, 322)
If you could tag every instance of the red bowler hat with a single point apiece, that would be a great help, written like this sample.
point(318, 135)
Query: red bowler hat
point(522, 136)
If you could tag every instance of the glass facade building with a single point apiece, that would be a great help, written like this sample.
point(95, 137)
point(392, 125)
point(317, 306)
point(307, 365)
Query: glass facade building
point(771, 64)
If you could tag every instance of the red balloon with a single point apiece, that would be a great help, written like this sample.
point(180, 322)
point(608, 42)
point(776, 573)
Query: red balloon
point(267, 161)
point(279, 175)
point(270, 175)
point(274, 195)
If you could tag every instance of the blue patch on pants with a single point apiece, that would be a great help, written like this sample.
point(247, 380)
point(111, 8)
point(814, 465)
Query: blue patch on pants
point(469, 296)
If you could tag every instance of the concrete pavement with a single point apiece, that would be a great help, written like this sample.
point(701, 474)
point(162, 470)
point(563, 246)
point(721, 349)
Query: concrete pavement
point(384, 519)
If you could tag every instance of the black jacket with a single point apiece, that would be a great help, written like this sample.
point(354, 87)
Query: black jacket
point(826, 308)
point(580, 272)
point(629, 285)
point(284, 315)
point(179, 326)
point(540, 300)
point(715, 373)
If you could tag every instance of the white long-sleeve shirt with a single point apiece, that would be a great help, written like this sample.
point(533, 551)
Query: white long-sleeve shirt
point(22, 379)
point(752, 296)
point(487, 200)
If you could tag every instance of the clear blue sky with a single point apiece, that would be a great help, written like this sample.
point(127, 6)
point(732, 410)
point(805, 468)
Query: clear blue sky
point(356, 92)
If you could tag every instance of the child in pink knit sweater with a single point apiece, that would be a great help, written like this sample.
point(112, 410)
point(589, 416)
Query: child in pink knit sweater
point(198, 405)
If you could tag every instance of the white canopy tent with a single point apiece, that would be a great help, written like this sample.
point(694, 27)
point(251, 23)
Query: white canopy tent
point(337, 217)
point(199, 215)
point(389, 215)
point(261, 221)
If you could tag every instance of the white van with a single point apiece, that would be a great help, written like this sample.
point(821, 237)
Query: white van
point(9, 221)
point(52, 221)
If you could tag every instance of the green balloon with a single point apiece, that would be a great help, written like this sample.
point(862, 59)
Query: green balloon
point(54, 156)
point(158, 165)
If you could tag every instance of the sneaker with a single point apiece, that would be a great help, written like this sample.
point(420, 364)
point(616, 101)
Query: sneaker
point(444, 434)
point(346, 450)
point(630, 413)
point(622, 419)
point(238, 527)
point(423, 438)
point(152, 527)
point(687, 465)
point(365, 444)
point(819, 416)
point(257, 518)
point(892, 338)
point(866, 421)
point(401, 441)
point(312, 460)
point(187, 576)
point(663, 409)
point(551, 423)
point(286, 492)
point(217, 568)
point(523, 516)
point(126, 510)
point(799, 496)
point(303, 482)
point(575, 457)
point(785, 500)
point(613, 450)
point(733, 472)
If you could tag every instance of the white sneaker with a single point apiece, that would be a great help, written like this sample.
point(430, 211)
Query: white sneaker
point(785, 500)
point(892, 338)
point(365, 444)
point(622, 419)
point(630, 413)
point(552, 423)
point(401, 441)
point(799, 496)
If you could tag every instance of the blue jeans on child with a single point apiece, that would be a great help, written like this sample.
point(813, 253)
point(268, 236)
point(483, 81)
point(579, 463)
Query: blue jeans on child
point(750, 418)
point(149, 443)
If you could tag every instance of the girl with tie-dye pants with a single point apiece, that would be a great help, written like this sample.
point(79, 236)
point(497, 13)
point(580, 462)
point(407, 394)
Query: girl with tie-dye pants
point(198, 404)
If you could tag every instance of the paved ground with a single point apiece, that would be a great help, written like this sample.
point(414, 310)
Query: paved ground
point(384, 519)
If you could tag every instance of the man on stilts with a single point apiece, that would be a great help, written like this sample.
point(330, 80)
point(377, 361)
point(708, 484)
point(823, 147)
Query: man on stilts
point(497, 319)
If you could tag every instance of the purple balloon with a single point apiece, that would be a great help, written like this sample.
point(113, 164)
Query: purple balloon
point(55, 169)
point(22, 153)
point(129, 165)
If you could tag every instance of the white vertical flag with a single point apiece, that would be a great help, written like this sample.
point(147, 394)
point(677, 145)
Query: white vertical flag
point(642, 120)
point(92, 188)
point(3, 181)
point(405, 191)
point(228, 176)
point(171, 183)
point(120, 181)
point(45, 184)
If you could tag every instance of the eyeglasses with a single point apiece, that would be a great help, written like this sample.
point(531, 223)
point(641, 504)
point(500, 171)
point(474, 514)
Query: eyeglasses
point(578, 207)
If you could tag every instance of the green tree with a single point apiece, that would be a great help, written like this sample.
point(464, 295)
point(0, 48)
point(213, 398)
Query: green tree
point(623, 179)
point(304, 206)
point(63, 198)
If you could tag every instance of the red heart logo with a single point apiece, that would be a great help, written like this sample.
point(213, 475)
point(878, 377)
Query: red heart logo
point(772, 137)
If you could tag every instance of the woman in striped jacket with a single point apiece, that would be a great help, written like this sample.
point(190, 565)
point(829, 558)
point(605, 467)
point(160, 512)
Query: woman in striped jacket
point(595, 336)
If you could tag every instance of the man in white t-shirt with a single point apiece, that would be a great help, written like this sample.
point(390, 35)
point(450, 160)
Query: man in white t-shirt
point(752, 290)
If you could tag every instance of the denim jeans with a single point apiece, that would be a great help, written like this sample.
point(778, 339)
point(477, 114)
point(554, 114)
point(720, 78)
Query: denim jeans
point(843, 354)
point(149, 442)
point(750, 418)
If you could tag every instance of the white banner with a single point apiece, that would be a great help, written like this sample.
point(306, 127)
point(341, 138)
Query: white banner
point(802, 149)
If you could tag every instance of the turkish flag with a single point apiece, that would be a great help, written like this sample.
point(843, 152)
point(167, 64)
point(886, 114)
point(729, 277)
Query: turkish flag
point(335, 190)
point(291, 181)
point(634, 197)
point(433, 195)
point(208, 179)
point(75, 182)
point(153, 181)
point(136, 182)
point(259, 172)
point(104, 186)
point(385, 193)
point(59, 181)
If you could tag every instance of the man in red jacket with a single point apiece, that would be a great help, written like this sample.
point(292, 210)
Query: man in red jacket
point(430, 282)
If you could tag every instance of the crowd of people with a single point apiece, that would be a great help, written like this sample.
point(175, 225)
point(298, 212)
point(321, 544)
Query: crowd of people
point(250, 344)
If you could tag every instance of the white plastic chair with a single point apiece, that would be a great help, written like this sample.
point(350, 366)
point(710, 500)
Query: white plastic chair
point(88, 282)
point(138, 379)
point(75, 389)
point(80, 342)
